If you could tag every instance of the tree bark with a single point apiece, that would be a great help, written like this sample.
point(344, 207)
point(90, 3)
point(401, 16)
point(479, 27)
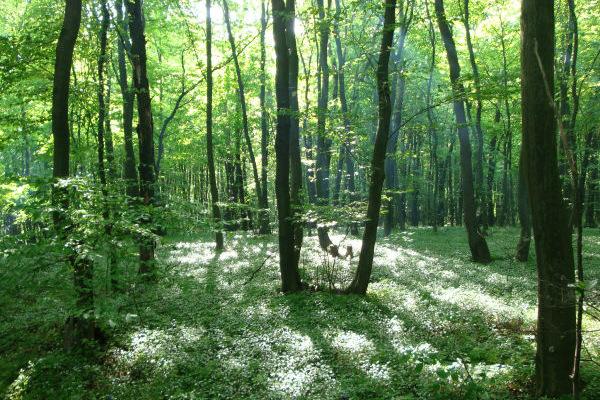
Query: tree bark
point(481, 195)
point(477, 243)
point(81, 326)
point(290, 276)
point(522, 253)
point(129, 171)
point(145, 127)
point(323, 142)
point(214, 191)
point(365, 263)
point(264, 227)
point(397, 200)
point(243, 105)
point(295, 155)
point(554, 254)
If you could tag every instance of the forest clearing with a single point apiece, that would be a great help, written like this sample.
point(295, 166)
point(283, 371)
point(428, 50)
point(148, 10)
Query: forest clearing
point(299, 199)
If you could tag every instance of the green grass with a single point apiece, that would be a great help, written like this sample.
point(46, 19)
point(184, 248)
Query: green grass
point(433, 326)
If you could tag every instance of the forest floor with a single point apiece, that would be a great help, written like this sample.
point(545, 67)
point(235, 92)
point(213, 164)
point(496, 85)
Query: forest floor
point(433, 325)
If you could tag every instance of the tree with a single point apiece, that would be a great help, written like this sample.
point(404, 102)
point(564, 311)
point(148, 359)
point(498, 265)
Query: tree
point(477, 243)
point(365, 263)
point(242, 95)
point(264, 227)
point(145, 127)
point(81, 326)
point(323, 160)
point(214, 191)
point(290, 276)
point(129, 171)
point(397, 201)
point(554, 254)
point(481, 196)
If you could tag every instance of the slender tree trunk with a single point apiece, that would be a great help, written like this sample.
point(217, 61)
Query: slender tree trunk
point(79, 327)
point(524, 216)
point(295, 155)
point(290, 276)
point(507, 216)
point(554, 254)
point(323, 142)
point(365, 263)
point(145, 126)
point(592, 194)
point(129, 170)
point(242, 95)
point(264, 227)
point(481, 195)
point(477, 243)
point(214, 191)
point(397, 200)
point(436, 211)
point(348, 157)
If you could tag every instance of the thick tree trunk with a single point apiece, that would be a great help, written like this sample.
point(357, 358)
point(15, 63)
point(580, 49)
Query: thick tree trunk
point(214, 191)
point(145, 125)
point(477, 243)
point(290, 276)
point(365, 263)
point(554, 254)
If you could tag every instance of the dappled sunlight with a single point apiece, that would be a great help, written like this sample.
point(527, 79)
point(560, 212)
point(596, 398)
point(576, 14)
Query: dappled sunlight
point(156, 349)
point(290, 361)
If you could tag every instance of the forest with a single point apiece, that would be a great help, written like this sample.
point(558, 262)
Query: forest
point(299, 199)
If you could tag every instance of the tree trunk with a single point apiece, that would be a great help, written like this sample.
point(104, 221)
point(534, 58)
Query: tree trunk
point(365, 263)
point(481, 196)
point(477, 243)
point(243, 105)
point(145, 126)
point(554, 254)
point(264, 227)
point(323, 142)
point(214, 191)
point(522, 254)
point(129, 171)
point(290, 276)
point(391, 168)
point(78, 328)
point(295, 155)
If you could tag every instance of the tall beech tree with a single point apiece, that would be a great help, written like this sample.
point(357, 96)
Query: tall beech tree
point(477, 243)
point(554, 254)
point(481, 195)
point(290, 276)
point(324, 142)
point(397, 204)
point(365, 263)
point(244, 108)
point(295, 155)
point(212, 177)
point(81, 326)
point(264, 227)
point(129, 171)
point(145, 126)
